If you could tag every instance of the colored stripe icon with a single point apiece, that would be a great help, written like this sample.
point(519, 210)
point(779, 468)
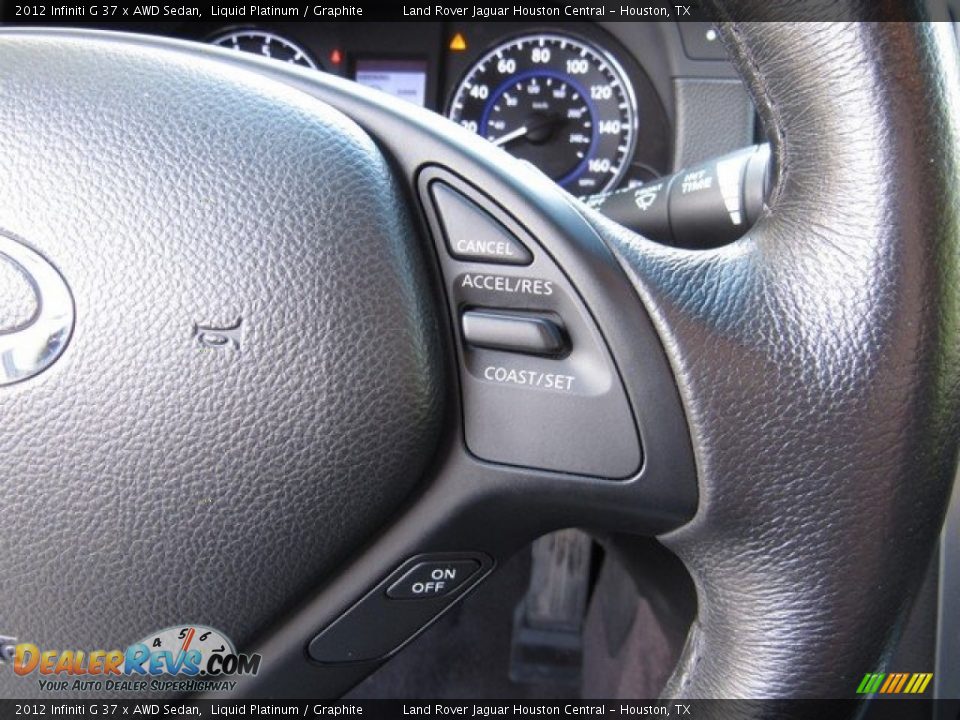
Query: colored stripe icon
point(894, 683)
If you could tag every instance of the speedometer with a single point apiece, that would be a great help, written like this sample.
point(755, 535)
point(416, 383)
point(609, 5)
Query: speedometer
point(557, 102)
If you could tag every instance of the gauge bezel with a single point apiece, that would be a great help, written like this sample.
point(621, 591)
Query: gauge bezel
point(221, 35)
point(592, 46)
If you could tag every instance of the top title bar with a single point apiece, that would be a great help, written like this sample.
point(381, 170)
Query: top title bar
point(79, 13)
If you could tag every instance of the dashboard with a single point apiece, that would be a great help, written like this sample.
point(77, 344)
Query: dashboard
point(595, 108)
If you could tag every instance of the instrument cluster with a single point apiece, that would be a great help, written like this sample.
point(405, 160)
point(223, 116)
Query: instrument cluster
point(569, 99)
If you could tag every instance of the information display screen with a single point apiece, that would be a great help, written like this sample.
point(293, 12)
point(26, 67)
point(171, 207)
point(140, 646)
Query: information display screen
point(406, 79)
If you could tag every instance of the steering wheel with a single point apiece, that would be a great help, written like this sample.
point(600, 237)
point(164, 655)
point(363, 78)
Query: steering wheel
point(277, 395)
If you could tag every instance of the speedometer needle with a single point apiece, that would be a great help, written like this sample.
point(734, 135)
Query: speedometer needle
point(512, 135)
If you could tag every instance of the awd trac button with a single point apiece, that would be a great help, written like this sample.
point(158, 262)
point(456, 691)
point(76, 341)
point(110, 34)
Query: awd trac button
point(433, 578)
point(473, 234)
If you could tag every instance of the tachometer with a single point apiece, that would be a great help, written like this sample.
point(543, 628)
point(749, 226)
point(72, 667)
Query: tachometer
point(266, 44)
point(556, 101)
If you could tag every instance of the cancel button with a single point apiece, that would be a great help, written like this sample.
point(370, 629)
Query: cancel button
point(471, 233)
point(485, 247)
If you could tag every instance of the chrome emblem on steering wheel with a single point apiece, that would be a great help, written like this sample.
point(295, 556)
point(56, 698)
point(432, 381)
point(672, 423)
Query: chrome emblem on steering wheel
point(32, 347)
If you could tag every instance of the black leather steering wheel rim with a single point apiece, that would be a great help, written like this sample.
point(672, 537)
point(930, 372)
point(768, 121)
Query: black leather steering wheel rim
point(815, 360)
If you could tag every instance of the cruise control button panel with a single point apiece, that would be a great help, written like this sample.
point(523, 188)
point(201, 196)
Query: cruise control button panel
point(433, 578)
point(399, 607)
point(538, 381)
point(471, 233)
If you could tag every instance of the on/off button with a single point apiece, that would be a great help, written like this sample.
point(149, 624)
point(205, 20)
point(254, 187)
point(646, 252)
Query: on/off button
point(434, 578)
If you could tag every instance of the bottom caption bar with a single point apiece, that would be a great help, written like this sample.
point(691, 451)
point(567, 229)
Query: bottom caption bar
point(879, 709)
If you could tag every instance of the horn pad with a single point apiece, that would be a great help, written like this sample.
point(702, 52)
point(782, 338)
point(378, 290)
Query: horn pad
point(251, 387)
